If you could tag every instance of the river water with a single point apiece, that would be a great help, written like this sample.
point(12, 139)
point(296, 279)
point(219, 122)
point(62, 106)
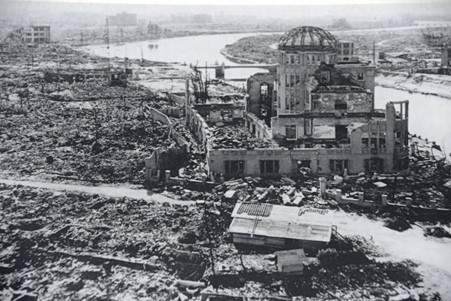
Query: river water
point(196, 50)
point(429, 116)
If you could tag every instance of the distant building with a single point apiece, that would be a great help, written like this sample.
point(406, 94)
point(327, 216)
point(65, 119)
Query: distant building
point(123, 19)
point(37, 34)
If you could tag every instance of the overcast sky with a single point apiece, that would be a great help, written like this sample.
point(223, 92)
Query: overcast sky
point(247, 2)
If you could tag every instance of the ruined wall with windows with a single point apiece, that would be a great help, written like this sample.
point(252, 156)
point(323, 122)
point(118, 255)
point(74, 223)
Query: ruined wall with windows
point(260, 95)
point(374, 145)
point(220, 112)
point(292, 75)
point(37, 34)
point(256, 126)
point(363, 74)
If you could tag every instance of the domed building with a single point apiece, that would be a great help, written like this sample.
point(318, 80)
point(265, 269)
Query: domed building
point(301, 52)
point(307, 38)
point(315, 111)
point(314, 81)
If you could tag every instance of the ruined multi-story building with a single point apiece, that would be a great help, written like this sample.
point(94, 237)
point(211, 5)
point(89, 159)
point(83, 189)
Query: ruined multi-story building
point(315, 112)
point(36, 34)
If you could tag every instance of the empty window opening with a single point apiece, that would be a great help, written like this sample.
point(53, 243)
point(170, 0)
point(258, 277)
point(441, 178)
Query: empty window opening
point(304, 163)
point(374, 165)
point(269, 167)
point(340, 104)
point(234, 168)
point(338, 165)
point(308, 126)
point(341, 132)
point(290, 131)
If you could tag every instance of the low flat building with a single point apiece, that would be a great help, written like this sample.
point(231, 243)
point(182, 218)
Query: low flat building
point(256, 225)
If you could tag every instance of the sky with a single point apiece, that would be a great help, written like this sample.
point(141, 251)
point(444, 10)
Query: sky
point(248, 2)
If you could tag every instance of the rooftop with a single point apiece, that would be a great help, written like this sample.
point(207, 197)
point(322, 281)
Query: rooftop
point(281, 229)
point(283, 213)
point(307, 38)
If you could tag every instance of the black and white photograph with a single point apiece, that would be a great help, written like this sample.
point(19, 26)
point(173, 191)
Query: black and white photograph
point(227, 150)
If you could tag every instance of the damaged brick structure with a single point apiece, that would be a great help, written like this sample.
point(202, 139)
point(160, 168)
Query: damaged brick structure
point(321, 112)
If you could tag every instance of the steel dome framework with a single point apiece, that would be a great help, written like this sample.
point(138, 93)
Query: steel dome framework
point(307, 38)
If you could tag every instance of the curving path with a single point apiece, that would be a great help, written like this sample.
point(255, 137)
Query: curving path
point(110, 191)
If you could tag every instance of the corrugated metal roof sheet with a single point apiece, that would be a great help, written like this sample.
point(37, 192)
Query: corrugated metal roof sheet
point(255, 209)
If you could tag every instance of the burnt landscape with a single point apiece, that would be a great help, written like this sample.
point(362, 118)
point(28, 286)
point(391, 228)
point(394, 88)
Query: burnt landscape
point(132, 170)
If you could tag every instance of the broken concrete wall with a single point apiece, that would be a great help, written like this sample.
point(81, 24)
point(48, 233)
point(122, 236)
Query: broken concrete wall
point(221, 112)
point(157, 115)
point(279, 126)
point(151, 167)
point(197, 125)
point(164, 119)
point(318, 128)
point(318, 159)
point(257, 127)
point(343, 102)
point(163, 159)
point(173, 111)
point(256, 99)
point(354, 156)
point(325, 128)
point(179, 99)
point(360, 73)
point(217, 160)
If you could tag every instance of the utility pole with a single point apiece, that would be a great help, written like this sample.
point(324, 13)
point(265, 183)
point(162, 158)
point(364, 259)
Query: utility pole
point(374, 53)
point(108, 43)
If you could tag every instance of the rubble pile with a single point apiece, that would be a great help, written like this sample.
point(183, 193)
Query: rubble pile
point(98, 141)
point(236, 135)
point(90, 246)
point(345, 272)
point(59, 245)
point(75, 130)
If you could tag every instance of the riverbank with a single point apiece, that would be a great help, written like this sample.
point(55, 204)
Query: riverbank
point(427, 84)
point(135, 36)
point(254, 49)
